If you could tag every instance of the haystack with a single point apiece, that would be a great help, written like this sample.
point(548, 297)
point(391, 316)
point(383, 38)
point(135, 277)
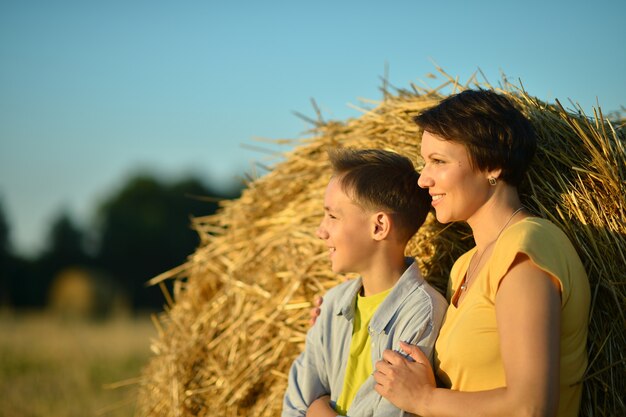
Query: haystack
point(238, 314)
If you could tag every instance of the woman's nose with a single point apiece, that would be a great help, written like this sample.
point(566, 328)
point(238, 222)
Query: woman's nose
point(425, 181)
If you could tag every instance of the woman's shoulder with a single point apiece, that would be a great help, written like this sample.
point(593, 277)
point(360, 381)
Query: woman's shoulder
point(534, 232)
point(543, 242)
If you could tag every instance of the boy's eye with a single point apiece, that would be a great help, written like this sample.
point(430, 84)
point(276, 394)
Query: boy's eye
point(332, 216)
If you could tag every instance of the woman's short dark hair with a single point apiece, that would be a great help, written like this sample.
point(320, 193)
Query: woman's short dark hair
point(494, 132)
point(377, 179)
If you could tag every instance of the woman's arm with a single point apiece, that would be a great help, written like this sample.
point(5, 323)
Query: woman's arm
point(528, 317)
point(321, 408)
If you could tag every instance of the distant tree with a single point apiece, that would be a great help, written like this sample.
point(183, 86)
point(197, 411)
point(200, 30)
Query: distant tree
point(65, 244)
point(145, 229)
point(15, 273)
point(5, 258)
point(21, 279)
point(4, 231)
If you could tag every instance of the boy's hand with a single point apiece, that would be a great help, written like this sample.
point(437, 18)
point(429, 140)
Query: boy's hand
point(315, 311)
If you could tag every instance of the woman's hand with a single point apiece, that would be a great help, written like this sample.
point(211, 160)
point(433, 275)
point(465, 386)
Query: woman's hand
point(315, 311)
point(321, 408)
point(406, 384)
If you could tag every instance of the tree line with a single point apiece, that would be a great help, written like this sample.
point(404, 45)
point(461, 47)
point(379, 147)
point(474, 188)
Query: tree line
point(140, 231)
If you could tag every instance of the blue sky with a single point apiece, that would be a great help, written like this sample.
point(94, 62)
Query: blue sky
point(92, 92)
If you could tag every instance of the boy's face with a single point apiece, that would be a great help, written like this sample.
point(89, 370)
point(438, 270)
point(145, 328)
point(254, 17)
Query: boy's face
point(346, 229)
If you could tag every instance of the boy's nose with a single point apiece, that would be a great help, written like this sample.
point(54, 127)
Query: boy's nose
point(321, 233)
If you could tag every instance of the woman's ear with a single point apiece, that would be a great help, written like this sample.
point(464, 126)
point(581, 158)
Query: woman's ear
point(381, 225)
point(493, 174)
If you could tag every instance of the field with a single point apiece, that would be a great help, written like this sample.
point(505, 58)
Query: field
point(67, 368)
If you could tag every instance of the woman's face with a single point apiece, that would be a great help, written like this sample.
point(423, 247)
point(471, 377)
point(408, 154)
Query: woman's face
point(458, 191)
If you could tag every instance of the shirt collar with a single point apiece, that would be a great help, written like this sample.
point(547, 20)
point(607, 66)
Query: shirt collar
point(410, 280)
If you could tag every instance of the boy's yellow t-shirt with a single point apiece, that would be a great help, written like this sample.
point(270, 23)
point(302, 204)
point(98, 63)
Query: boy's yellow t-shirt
point(359, 366)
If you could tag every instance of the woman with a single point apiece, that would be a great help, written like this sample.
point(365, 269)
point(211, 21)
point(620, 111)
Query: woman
point(513, 341)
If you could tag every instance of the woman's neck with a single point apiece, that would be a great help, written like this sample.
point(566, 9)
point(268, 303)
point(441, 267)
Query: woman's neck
point(498, 213)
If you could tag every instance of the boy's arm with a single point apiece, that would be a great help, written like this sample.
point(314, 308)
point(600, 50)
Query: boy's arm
point(423, 327)
point(308, 379)
point(420, 327)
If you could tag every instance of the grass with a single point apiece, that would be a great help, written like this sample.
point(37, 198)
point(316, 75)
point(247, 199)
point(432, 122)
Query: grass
point(68, 368)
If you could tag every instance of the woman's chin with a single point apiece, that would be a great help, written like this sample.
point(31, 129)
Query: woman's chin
point(442, 217)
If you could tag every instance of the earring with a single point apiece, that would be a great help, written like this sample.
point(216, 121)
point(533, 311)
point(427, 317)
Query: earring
point(492, 181)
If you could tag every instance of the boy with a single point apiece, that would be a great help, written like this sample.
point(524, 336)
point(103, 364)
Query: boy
point(372, 207)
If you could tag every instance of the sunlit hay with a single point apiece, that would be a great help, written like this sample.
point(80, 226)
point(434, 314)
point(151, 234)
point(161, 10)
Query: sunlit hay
point(239, 312)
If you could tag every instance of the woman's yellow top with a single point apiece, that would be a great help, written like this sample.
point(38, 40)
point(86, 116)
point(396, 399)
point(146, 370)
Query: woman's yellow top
point(467, 352)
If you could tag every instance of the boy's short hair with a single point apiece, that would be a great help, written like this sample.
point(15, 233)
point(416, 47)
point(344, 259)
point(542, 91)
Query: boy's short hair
point(494, 132)
point(376, 179)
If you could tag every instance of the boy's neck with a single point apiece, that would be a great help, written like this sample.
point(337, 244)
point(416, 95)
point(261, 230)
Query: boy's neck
point(383, 275)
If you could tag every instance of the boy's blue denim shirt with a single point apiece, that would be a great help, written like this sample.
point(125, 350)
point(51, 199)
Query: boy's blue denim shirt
point(412, 312)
